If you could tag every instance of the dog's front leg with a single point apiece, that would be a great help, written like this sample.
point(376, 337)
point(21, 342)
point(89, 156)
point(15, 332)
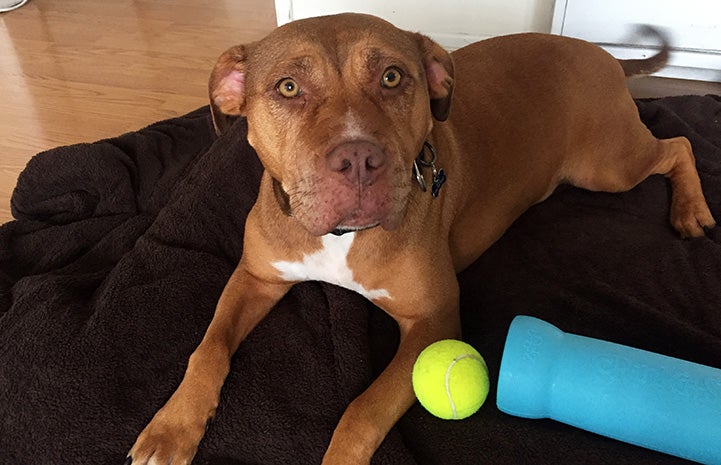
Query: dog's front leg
point(173, 435)
point(431, 314)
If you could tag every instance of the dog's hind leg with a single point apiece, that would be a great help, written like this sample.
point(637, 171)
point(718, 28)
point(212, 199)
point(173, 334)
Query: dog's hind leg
point(690, 214)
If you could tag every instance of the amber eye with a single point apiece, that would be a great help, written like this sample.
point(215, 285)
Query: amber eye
point(391, 77)
point(288, 88)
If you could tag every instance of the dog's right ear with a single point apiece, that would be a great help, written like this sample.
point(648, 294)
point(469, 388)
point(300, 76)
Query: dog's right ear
point(227, 88)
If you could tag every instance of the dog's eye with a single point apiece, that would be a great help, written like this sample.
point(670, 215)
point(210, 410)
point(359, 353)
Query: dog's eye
point(391, 77)
point(288, 88)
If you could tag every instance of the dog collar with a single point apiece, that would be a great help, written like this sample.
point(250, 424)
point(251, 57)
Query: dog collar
point(439, 176)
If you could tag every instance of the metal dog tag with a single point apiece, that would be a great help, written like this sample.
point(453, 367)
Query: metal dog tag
point(439, 178)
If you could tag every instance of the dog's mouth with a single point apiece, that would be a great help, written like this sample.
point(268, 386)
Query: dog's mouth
point(324, 216)
point(329, 204)
point(384, 217)
point(340, 230)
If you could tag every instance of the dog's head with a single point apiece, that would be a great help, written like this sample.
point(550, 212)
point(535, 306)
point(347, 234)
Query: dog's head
point(338, 108)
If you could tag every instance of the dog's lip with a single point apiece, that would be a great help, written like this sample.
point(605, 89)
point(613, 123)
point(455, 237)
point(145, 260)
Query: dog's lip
point(388, 223)
point(340, 229)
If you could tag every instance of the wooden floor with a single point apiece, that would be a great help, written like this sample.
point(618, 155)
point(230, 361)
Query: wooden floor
point(81, 70)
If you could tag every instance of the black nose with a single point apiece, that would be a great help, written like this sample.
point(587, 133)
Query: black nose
point(359, 161)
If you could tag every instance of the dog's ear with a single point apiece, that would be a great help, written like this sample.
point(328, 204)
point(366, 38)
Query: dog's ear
point(227, 88)
point(439, 74)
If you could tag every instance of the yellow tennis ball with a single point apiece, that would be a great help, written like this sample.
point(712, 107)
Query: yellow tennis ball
point(450, 379)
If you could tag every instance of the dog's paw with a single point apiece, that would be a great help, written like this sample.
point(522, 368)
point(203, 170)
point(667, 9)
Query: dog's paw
point(167, 440)
point(692, 220)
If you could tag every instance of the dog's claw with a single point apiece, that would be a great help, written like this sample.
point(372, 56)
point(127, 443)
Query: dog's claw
point(128, 461)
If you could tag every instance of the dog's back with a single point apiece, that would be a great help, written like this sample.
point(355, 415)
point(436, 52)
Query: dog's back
point(532, 111)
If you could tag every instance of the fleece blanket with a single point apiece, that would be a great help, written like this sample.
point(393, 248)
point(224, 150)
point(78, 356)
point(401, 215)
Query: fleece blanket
point(110, 273)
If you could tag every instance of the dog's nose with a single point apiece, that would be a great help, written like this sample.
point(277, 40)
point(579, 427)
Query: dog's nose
point(359, 161)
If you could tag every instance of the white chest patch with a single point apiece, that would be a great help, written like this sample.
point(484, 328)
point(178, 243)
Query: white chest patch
point(329, 264)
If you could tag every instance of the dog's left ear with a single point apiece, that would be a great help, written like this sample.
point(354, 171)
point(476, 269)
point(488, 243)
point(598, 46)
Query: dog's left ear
point(226, 88)
point(439, 74)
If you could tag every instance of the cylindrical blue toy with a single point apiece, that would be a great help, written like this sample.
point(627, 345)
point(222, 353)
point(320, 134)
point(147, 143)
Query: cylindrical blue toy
point(639, 397)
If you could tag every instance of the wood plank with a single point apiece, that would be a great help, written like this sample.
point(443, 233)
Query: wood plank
point(82, 70)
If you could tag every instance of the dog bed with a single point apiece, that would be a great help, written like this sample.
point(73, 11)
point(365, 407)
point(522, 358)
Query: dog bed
point(110, 274)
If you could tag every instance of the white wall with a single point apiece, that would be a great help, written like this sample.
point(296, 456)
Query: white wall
point(691, 25)
point(453, 23)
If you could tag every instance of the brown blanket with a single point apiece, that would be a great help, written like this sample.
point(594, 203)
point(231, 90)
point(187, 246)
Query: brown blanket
point(110, 274)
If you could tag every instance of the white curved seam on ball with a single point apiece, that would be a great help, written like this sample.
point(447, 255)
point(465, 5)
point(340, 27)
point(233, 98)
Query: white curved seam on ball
point(448, 377)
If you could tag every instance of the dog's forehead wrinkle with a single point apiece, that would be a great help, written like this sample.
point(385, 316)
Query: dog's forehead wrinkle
point(341, 39)
point(302, 62)
point(376, 55)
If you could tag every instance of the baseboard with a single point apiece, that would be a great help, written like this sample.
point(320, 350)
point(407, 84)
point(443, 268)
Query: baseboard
point(651, 87)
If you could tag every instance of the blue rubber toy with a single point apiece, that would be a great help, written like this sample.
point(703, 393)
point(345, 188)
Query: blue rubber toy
point(632, 395)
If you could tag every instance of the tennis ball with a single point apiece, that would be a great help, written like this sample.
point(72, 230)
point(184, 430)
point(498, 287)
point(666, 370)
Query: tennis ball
point(450, 379)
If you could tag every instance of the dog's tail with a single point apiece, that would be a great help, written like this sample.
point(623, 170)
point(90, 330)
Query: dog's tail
point(650, 65)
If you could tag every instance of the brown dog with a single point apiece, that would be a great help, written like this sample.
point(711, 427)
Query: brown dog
point(341, 112)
